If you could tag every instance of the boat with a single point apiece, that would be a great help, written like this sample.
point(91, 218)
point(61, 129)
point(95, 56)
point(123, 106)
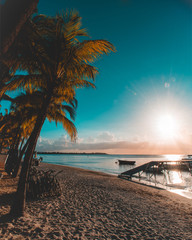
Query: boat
point(125, 162)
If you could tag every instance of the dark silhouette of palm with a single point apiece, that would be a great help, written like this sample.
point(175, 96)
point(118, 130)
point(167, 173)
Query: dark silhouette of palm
point(57, 63)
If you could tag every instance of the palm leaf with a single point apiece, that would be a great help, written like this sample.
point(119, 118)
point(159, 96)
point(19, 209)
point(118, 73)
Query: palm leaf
point(89, 51)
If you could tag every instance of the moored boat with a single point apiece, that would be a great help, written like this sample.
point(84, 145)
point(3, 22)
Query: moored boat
point(127, 162)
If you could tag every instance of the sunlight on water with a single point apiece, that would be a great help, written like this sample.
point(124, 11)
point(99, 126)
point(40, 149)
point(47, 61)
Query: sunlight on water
point(183, 193)
point(175, 177)
point(169, 179)
point(172, 157)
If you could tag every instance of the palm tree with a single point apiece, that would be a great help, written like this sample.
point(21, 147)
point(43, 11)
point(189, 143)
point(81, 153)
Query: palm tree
point(5, 131)
point(18, 124)
point(27, 107)
point(13, 15)
point(20, 51)
point(58, 64)
point(12, 130)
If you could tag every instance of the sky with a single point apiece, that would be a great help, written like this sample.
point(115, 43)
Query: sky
point(143, 96)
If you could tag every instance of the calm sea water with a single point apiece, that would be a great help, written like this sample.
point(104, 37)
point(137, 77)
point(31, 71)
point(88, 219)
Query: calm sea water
point(179, 182)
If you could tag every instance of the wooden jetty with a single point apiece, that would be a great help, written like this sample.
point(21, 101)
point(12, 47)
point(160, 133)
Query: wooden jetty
point(163, 165)
point(189, 157)
point(154, 170)
point(125, 162)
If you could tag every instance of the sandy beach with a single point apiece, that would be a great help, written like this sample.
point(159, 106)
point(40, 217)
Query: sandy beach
point(95, 205)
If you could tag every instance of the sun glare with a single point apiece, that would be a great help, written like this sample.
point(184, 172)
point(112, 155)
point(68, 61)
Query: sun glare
point(167, 126)
point(173, 157)
point(175, 177)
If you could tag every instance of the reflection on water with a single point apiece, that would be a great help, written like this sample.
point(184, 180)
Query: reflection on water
point(173, 157)
point(109, 164)
point(175, 177)
point(181, 192)
point(174, 181)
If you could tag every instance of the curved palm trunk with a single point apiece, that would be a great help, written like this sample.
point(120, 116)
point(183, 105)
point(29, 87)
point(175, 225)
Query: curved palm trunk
point(10, 27)
point(13, 153)
point(17, 209)
point(16, 169)
point(12, 157)
point(21, 145)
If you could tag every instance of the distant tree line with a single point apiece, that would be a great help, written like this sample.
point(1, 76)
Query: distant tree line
point(72, 153)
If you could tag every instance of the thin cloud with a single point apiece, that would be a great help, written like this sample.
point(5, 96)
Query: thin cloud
point(108, 143)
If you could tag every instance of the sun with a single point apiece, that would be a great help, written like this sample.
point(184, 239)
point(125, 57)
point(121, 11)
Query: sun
point(167, 126)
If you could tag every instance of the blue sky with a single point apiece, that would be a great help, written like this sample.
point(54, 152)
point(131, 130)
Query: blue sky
point(149, 77)
point(142, 103)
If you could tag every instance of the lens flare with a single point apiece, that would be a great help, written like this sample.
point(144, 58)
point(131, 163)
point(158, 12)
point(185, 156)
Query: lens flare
point(167, 126)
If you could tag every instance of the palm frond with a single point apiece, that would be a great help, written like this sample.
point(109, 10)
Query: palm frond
point(68, 125)
point(90, 50)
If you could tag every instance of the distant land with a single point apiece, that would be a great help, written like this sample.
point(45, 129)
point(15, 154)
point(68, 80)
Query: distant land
point(72, 153)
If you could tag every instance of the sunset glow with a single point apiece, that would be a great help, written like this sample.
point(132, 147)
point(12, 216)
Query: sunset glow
point(167, 127)
point(142, 101)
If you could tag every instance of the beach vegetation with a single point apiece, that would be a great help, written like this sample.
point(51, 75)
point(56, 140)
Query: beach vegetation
point(23, 115)
point(16, 127)
point(42, 184)
point(48, 62)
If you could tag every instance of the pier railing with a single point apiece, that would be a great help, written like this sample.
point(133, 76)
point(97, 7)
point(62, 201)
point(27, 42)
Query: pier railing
point(157, 166)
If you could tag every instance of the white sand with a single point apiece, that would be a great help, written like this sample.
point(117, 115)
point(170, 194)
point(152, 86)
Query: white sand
point(99, 206)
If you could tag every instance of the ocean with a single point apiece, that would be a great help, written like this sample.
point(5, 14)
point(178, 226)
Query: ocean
point(176, 181)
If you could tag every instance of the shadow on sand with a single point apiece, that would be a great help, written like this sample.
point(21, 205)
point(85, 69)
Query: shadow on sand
point(5, 200)
point(6, 218)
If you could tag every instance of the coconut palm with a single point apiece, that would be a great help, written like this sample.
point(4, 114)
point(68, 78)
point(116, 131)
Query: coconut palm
point(20, 122)
point(21, 51)
point(13, 129)
point(58, 64)
point(30, 104)
point(5, 131)
point(10, 26)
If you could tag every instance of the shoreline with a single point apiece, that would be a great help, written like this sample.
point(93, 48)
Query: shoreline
point(104, 174)
point(185, 194)
point(96, 205)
